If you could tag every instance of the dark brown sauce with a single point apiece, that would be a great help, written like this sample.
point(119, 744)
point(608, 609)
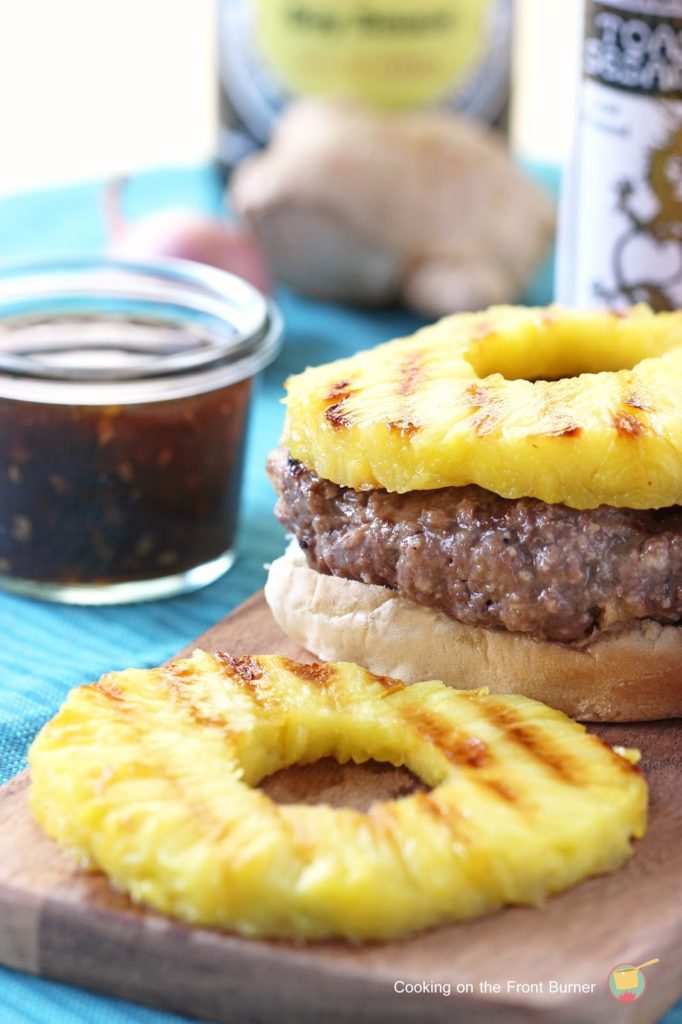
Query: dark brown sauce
point(101, 495)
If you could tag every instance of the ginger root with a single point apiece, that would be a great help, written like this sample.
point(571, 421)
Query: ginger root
point(428, 208)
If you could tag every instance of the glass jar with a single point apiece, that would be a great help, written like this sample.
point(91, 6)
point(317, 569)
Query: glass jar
point(124, 398)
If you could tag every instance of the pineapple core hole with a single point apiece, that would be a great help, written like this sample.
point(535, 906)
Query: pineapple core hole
point(341, 785)
point(561, 349)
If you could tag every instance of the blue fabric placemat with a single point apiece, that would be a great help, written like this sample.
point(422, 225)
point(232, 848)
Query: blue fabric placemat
point(46, 649)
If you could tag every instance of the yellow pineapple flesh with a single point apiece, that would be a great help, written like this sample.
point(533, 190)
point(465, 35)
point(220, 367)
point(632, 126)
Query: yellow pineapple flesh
point(151, 776)
point(576, 408)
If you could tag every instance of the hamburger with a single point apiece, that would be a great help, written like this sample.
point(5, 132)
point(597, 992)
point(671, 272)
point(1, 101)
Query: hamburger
point(494, 502)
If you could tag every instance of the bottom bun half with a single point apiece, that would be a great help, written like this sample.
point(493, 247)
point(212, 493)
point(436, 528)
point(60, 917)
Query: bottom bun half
point(633, 674)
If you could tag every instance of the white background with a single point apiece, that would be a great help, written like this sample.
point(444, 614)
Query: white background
point(92, 88)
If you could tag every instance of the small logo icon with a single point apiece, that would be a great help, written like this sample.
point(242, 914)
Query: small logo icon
point(627, 981)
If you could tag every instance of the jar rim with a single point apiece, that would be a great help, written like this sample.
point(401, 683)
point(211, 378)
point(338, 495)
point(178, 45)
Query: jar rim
point(98, 331)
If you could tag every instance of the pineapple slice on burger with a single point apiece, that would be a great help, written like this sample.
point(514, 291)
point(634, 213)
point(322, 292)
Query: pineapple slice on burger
point(494, 501)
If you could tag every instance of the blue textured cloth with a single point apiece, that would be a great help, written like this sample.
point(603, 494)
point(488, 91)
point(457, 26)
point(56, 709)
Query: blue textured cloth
point(67, 646)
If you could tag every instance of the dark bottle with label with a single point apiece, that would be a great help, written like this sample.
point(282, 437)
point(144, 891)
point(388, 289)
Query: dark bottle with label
point(621, 220)
point(452, 53)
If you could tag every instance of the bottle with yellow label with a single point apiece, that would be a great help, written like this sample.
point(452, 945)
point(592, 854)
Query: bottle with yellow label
point(394, 54)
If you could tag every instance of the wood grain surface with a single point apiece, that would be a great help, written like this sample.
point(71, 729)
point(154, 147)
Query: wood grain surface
point(59, 922)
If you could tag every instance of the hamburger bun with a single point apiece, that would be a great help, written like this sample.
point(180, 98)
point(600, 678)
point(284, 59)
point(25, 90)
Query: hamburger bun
point(631, 673)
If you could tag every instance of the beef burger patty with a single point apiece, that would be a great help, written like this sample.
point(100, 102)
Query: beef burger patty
point(549, 571)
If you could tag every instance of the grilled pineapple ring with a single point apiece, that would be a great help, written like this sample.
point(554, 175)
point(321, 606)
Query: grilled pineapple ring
point(150, 776)
point(581, 409)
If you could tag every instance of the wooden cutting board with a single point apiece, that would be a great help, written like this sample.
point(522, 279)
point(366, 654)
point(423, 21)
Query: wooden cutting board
point(63, 924)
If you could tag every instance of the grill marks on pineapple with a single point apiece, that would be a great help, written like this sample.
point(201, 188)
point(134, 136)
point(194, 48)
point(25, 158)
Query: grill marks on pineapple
point(246, 672)
point(339, 391)
point(479, 396)
point(411, 374)
point(443, 813)
point(627, 424)
point(336, 413)
point(462, 749)
point(401, 420)
point(459, 747)
point(533, 742)
point(179, 681)
point(337, 416)
point(556, 417)
point(501, 789)
point(558, 422)
point(245, 668)
point(322, 676)
point(411, 379)
point(404, 427)
point(487, 409)
point(389, 684)
point(636, 401)
point(630, 419)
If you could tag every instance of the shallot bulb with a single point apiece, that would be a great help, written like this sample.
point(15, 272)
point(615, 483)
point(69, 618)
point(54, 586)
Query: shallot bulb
point(184, 234)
